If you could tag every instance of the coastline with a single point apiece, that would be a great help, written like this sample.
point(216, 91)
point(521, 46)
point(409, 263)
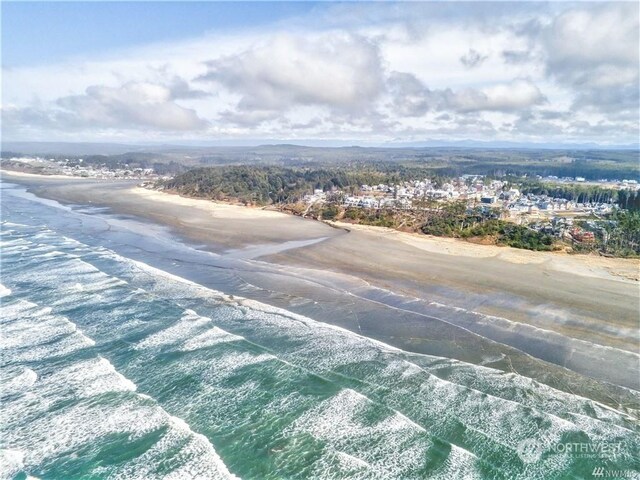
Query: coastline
point(593, 265)
point(38, 176)
point(624, 269)
point(584, 264)
point(392, 286)
point(216, 209)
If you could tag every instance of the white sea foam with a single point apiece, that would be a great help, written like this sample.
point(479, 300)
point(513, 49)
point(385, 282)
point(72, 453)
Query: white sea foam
point(53, 254)
point(213, 336)
point(197, 459)
point(98, 283)
point(61, 432)
point(184, 328)
point(6, 223)
point(22, 381)
point(8, 250)
point(11, 463)
point(190, 332)
point(32, 334)
point(457, 465)
point(345, 349)
point(388, 447)
point(261, 307)
point(330, 352)
point(412, 401)
point(498, 423)
point(223, 367)
point(4, 291)
point(21, 308)
point(442, 399)
point(89, 378)
point(32, 331)
point(37, 438)
point(155, 272)
point(14, 242)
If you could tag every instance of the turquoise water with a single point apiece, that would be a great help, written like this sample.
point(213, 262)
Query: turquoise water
point(111, 368)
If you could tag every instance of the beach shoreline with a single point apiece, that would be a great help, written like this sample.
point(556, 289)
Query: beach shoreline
point(625, 269)
point(522, 299)
point(38, 176)
point(586, 264)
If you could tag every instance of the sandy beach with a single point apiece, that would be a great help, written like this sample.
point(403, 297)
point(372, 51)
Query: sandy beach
point(219, 226)
point(565, 309)
point(577, 264)
point(581, 265)
point(34, 176)
point(591, 265)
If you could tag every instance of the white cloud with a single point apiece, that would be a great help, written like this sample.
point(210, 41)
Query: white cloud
point(335, 69)
point(412, 98)
point(361, 71)
point(589, 37)
point(594, 50)
point(130, 106)
point(473, 58)
point(515, 95)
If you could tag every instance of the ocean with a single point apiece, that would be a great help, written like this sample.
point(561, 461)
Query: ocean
point(116, 365)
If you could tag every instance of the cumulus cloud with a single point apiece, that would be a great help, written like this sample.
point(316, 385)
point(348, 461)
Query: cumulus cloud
point(131, 105)
point(180, 89)
point(515, 95)
point(595, 51)
point(336, 69)
point(516, 56)
point(412, 98)
point(134, 105)
point(586, 38)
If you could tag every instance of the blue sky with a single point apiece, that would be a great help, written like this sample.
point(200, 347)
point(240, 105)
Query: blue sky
point(359, 72)
point(49, 32)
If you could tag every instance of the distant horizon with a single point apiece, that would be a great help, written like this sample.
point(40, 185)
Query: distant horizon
point(317, 143)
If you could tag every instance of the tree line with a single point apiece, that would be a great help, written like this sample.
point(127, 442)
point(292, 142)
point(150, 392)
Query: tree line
point(627, 199)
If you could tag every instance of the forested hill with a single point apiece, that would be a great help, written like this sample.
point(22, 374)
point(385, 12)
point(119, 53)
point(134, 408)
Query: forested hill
point(269, 184)
point(264, 185)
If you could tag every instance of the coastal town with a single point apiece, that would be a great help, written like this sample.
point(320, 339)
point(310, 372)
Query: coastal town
point(579, 223)
point(476, 190)
point(76, 167)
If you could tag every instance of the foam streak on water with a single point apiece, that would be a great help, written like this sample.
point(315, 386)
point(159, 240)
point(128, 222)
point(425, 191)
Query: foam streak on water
point(136, 373)
point(64, 405)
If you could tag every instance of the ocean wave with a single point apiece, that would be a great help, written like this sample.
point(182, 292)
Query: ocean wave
point(260, 378)
point(56, 415)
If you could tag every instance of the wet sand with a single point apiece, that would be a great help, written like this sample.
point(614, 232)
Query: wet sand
point(219, 226)
point(564, 309)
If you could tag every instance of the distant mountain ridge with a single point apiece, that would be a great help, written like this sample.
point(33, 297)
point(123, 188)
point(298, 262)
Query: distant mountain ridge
point(95, 148)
